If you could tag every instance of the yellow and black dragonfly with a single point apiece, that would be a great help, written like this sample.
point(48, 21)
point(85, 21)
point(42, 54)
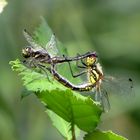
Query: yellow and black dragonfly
point(37, 56)
point(103, 84)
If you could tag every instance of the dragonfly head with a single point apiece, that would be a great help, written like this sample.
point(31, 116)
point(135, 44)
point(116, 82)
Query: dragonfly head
point(91, 60)
point(27, 52)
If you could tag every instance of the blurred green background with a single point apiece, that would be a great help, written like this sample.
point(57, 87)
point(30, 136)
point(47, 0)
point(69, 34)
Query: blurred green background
point(111, 27)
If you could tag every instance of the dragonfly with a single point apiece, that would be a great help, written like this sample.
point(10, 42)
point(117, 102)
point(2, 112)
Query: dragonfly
point(35, 53)
point(97, 82)
point(37, 56)
point(104, 84)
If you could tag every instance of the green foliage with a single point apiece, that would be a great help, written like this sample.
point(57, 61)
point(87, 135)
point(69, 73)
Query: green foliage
point(43, 34)
point(99, 135)
point(66, 108)
point(62, 126)
point(71, 106)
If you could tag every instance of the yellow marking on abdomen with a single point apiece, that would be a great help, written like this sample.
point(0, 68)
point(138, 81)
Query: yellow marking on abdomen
point(94, 76)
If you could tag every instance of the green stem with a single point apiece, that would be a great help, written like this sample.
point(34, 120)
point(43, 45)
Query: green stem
point(73, 132)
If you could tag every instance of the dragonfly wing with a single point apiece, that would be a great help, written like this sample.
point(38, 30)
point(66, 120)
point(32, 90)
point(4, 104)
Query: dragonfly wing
point(121, 86)
point(105, 100)
point(102, 97)
point(30, 39)
point(51, 46)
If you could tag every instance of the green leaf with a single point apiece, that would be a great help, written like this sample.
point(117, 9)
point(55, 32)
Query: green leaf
point(62, 126)
point(72, 107)
point(43, 35)
point(25, 93)
point(105, 135)
point(69, 105)
point(33, 80)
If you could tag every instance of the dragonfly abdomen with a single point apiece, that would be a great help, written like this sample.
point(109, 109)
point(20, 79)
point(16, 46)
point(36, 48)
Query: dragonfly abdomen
point(65, 82)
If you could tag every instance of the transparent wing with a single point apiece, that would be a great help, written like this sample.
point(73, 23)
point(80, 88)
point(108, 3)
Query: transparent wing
point(51, 46)
point(123, 86)
point(102, 97)
point(30, 40)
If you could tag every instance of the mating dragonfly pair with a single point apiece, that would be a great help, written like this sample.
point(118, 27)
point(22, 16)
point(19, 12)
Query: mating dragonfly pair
point(37, 56)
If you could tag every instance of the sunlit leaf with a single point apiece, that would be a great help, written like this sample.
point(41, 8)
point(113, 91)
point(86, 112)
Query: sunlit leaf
point(65, 106)
point(43, 34)
point(69, 105)
point(62, 126)
point(103, 135)
point(72, 107)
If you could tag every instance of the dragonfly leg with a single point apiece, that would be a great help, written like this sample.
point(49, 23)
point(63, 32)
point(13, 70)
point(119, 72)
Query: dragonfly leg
point(31, 64)
point(77, 63)
point(84, 64)
point(75, 75)
point(79, 66)
point(43, 68)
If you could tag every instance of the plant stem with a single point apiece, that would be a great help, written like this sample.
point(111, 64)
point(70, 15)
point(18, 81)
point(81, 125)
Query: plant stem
point(73, 132)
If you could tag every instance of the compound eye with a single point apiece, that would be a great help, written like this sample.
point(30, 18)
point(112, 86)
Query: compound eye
point(25, 52)
point(27, 49)
point(93, 59)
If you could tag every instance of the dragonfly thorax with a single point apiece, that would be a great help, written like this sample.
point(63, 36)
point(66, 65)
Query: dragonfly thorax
point(29, 52)
point(95, 74)
point(99, 69)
